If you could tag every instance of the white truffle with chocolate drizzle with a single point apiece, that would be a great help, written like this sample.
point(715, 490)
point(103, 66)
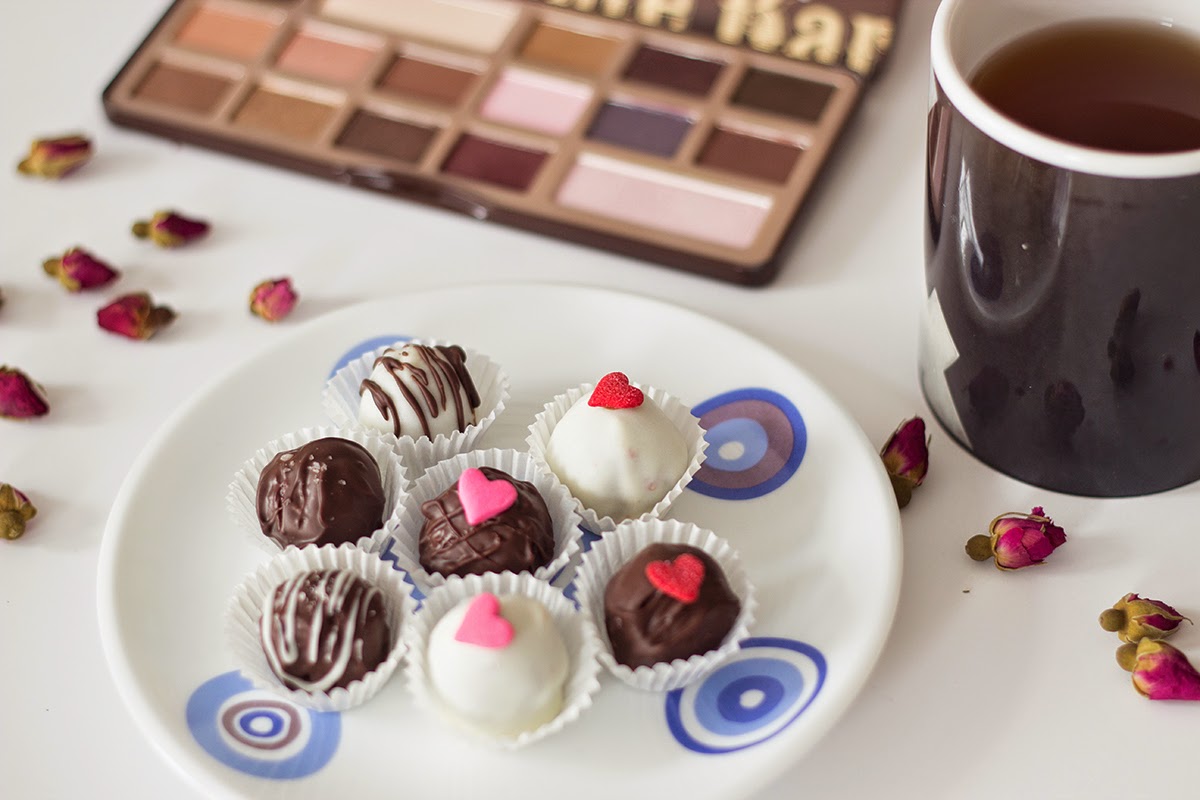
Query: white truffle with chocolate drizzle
point(419, 390)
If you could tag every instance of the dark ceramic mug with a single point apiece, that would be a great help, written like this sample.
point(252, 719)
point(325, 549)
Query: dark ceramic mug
point(1061, 337)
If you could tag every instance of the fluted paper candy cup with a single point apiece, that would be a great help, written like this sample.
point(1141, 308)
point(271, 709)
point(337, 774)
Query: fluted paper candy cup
point(341, 400)
point(680, 417)
point(404, 528)
point(241, 500)
point(617, 548)
point(577, 632)
point(244, 615)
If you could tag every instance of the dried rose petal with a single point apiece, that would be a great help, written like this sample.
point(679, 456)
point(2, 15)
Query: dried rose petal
point(1017, 540)
point(78, 269)
point(20, 397)
point(15, 511)
point(135, 316)
point(1160, 672)
point(274, 299)
point(906, 458)
point(1134, 618)
point(56, 157)
point(170, 229)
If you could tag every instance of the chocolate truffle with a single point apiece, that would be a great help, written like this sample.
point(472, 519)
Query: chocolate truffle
point(670, 601)
point(517, 537)
point(419, 390)
point(321, 630)
point(327, 491)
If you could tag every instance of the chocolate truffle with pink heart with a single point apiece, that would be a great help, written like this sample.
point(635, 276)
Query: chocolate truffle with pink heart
point(623, 451)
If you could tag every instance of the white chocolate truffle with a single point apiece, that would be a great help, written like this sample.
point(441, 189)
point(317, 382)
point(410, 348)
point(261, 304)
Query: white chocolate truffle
point(619, 462)
point(506, 689)
point(419, 390)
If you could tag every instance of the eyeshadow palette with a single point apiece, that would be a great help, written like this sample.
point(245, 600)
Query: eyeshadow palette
point(686, 132)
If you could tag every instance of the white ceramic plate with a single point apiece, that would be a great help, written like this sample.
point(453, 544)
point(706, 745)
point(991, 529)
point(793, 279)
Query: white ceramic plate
point(800, 493)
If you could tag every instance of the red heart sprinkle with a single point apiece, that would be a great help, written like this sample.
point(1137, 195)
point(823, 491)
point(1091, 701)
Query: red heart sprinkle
point(680, 579)
point(613, 391)
point(483, 626)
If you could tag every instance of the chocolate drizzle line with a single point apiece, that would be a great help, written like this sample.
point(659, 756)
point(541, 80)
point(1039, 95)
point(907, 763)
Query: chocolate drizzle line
point(439, 384)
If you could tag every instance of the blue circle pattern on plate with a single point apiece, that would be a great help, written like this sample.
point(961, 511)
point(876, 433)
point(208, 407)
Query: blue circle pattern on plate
point(756, 441)
point(366, 346)
point(258, 733)
point(753, 696)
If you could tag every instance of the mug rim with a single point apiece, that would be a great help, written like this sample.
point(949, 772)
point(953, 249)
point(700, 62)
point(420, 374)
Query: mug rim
point(1029, 142)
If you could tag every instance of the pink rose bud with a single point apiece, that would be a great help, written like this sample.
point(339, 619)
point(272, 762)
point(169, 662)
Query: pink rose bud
point(274, 299)
point(1135, 618)
point(169, 229)
point(906, 458)
point(15, 511)
point(1018, 540)
point(1160, 672)
point(57, 157)
point(78, 269)
point(20, 397)
point(135, 316)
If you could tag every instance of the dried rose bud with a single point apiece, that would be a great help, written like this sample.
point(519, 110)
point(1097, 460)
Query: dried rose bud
point(169, 229)
point(906, 458)
point(15, 511)
point(20, 397)
point(1135, 618)
point(1017, 540)
point(78, 269)
point(1160, 672)
point(57, 157)
point(274, 299)
point(135, 316)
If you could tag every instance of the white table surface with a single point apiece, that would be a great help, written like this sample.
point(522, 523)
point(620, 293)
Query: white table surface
point(991, 685)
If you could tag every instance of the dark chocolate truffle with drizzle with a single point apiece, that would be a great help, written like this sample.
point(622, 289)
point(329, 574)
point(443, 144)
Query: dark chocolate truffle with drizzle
point(647, 625)
point(519, 538)
point(327, 491)
point(321, 630)
point(419, 390)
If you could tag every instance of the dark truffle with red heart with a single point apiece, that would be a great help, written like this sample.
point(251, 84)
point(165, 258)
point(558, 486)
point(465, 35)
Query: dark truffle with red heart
point(669, 601)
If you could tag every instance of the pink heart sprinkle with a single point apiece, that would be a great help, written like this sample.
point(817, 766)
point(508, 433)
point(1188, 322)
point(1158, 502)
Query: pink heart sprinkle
point(483, 626)
point(483, 499)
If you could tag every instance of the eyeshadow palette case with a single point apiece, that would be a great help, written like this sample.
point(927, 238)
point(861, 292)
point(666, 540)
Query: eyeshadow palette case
point(685, 132)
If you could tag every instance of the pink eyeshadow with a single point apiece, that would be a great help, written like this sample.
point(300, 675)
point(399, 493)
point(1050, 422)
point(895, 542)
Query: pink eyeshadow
point(224, 33)
point(663, 201)
point(324, 59)
point(536, 102)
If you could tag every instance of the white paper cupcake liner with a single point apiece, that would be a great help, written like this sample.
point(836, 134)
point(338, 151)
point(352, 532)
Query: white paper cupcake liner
point(405, 527)
point(617, 548)
point(341, 402)
point(679, 415)
point(243, 616)
point(577, 631)
point(243, 490)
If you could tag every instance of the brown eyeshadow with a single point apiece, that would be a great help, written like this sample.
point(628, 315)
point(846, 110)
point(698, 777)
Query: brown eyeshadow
point(283, 114)
point(431, 82)
point(182, 88)
point(783, 94)
point(673, 71)
point(381, 136)
point(749, 155)
point(493, 162)
point(578, 52)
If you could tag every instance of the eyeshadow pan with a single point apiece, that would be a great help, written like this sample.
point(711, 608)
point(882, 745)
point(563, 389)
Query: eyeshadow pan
point(433, 83)
point(324, 59)
point(283, 114)
point(226, 33)
point(749, 155)
point(536, 102)
point(381, 136)
point(783, 94)
point(479, 25)
point(682, 73)
point(570, 50)
point(664, 201)
point(182, 88)
point(492, 162)
point(656, 132)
